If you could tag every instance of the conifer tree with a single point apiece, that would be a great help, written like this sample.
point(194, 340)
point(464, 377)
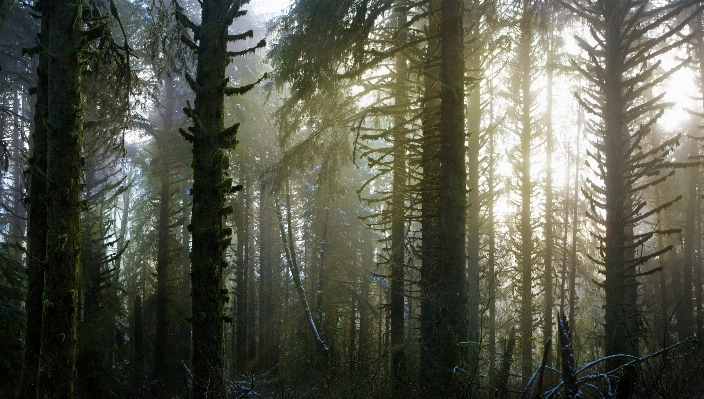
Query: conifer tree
point(64, 170)
point(445, 311)
point(211, 142)
point(621, 70)
point(36, 222)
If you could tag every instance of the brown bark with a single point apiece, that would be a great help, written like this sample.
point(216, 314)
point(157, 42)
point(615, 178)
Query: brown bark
point(211, 142)
point(473, 65)
point(448, 291)
point(526, 250)
point(36, 225)
point(398, 223)
point(64, 172)
point(242, 295)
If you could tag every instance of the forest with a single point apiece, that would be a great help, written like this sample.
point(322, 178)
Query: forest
point(351, 199)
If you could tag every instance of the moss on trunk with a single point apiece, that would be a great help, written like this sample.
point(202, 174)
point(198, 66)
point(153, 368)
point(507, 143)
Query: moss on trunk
point(64, 171)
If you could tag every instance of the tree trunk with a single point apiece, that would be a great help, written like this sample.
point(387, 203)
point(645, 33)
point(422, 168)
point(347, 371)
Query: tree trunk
point(491, 237)
point(429, 224)
point(242, 296)
point(289, 247)
point(450, 289)
point(616, 312)
point(473, 65)
point(163, 347)
point(398, 223)
point(251, 294)
point(524, 60)
point(163, 370)
point(575, 225)
point(37, 224)
point(64, 172)
point(211, 141)
point(549, 238)
point(266, 247)
point(138, 348)
point(685, 310)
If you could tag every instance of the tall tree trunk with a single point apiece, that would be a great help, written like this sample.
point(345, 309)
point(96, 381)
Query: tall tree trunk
point(491, 238)
point(64, 172)
point(549, 239)
point(352, 344)
point(617, 307)
point(163, 369)
point(211, 141)
point(138, 348)
point(524, 60)
point(398, 223)
point(685, 311)
point(473, 65)
point(266, 244)
point(37, 223)
point(448, 292)
point(89, 357)
point(242, 296)
point(429, 363)
point(575, 226)
point(163, 347)
point(185, 289)
point(291, 259)
point(251, 294)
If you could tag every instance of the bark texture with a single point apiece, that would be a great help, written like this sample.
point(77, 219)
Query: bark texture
point(64, 172)
point(37, 225)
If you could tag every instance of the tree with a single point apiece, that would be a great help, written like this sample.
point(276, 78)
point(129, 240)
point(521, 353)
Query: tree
point(526, 129)
point(211, 141)
point(621, 70)
point(64, 41)
point(36, 223)
point(398, 221)
point(445, 311)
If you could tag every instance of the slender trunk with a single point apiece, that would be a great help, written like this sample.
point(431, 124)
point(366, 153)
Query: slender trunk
point(698, 272)
point(242, 296)
point(122, 238)
point(290, 250)
point(162, 338)
point(575, 225)
point(64, 172)
point(473, 65)
point(685, 314)
point(90, 349)
point(37, 225)
point(163, 346)
point(251, 292)
point(320, 283)
point(398, 233)
point(563, 271)
point(185, 331)
point(351, 356)
point(549, 239)
point(491, 237)
point(265, 277)
point(364, 311)
point(138, 348)
point(662, 280)
point(524, 60)
point(429, 363)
